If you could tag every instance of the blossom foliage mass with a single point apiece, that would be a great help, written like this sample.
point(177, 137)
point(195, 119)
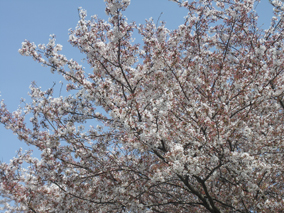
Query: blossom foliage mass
point(195, 117)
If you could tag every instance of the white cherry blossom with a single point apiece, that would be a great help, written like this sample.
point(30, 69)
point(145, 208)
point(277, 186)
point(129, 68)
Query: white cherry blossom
point(195, 117)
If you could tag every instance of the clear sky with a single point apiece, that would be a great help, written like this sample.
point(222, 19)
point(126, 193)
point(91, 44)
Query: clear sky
point(35, 20)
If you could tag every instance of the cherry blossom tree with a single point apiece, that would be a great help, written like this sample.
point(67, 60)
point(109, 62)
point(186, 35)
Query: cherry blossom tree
point(195, 117)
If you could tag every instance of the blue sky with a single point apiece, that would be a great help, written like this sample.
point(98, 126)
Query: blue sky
point(35, 20)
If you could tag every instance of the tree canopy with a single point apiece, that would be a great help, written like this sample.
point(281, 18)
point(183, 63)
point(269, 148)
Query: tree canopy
point(195, 116)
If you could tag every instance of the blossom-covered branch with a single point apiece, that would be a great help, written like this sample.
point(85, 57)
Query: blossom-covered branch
point(195, 117)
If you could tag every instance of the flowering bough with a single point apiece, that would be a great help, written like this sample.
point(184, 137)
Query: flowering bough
point(195, 117)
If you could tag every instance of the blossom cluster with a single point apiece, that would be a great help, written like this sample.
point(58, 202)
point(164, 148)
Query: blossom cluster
point(195, 117)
